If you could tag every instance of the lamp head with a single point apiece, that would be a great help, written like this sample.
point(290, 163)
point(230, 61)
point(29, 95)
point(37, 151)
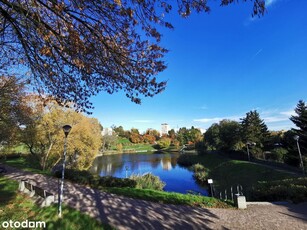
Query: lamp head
point(296, 137)
point(66, 129)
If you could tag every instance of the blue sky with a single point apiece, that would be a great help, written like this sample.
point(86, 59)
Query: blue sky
point(222, 65)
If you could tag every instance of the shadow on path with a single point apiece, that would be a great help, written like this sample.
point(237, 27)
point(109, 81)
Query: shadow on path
point(122, 212)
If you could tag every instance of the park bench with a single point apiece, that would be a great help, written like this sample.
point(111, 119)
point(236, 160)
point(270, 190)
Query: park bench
point(44, 197)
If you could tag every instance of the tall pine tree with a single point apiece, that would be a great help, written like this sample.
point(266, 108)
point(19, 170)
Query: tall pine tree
point(254, 130)
point(300, 120)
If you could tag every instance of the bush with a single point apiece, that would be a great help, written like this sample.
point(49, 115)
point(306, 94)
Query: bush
point(200, 174)
point(278, 154)
point(148, 181)
point(200, 177)
point(86, 178)
point(198, 168)
point(80, 177)
point(294, 190)
point(109, 181)
point(11, 155)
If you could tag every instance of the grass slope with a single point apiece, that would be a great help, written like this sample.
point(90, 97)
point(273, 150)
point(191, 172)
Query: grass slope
point(226, 172)
point(169, 197)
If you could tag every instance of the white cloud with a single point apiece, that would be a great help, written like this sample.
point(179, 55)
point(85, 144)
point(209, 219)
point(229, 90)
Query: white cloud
point(269, 3)
point(217, 119)
point(288, 113)
point(276, 116)
point(275, 119)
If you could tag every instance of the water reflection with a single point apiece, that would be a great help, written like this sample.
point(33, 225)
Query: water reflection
point(177, 179)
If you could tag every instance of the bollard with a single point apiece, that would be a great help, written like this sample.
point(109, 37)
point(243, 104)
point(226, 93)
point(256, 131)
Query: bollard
point(240, 201)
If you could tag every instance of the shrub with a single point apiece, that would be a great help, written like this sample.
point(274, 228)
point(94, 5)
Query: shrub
point(200, 173)
point(11, 155)
point(81, 177)
point(198, 168)
point(109, 181)
point(294, 190)
point(148, 181)
point(86, 178)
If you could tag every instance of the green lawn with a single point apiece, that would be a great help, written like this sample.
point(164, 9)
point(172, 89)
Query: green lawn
point(226, 172)
point(16, 206)
point(139, 147)
point(24, 163)
point(169, 197)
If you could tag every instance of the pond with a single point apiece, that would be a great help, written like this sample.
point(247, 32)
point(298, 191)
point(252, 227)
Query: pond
point(178, 179)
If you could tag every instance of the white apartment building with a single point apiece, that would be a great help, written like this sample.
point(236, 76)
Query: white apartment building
point(164, 129)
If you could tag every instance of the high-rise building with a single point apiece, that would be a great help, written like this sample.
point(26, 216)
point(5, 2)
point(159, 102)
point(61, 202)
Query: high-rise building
point(107, 132)
point(164, 129)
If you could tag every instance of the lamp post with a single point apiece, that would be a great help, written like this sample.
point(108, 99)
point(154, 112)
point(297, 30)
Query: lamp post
point(210, 182)
point(66, 129)
point(296, 137)
point(249, 144)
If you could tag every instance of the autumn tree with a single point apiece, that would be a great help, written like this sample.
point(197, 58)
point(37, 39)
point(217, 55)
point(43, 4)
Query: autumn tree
point(153, 132)
point(44, 137)
point(14, 111)
point(74, 49)
point(135, 136)
point(164, 142)
point(149, 139)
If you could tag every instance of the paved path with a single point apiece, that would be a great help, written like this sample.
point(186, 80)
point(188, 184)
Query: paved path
point(127, 213)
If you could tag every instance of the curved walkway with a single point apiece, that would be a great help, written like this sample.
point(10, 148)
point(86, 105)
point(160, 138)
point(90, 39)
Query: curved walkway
point(127, 213)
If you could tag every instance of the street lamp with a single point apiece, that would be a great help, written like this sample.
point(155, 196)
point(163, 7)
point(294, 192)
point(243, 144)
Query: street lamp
point(296, 137)
point(249, 144)
point(66, 129)
point(210, 182)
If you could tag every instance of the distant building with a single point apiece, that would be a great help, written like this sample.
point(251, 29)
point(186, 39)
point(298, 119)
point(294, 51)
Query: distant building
point(107, 132)
point(202, 130)
point(164, 129)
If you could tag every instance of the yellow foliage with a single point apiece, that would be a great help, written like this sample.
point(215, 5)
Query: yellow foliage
point(83, 141)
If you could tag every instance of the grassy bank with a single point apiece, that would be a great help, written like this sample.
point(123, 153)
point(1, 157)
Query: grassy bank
point(226, 172)
point(169, 197)
point(25, 163)
point(16, 206)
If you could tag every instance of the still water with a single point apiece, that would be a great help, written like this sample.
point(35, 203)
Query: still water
point(177, 178)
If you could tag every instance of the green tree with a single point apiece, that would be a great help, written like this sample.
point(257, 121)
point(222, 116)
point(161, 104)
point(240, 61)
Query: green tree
point(212, 140)
point(230, 138)
point(194, 135)
point(254, 130)
point(300, 120)
point(75, 49)
point(119, 131)
point(289, 143)
point(223, 136)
